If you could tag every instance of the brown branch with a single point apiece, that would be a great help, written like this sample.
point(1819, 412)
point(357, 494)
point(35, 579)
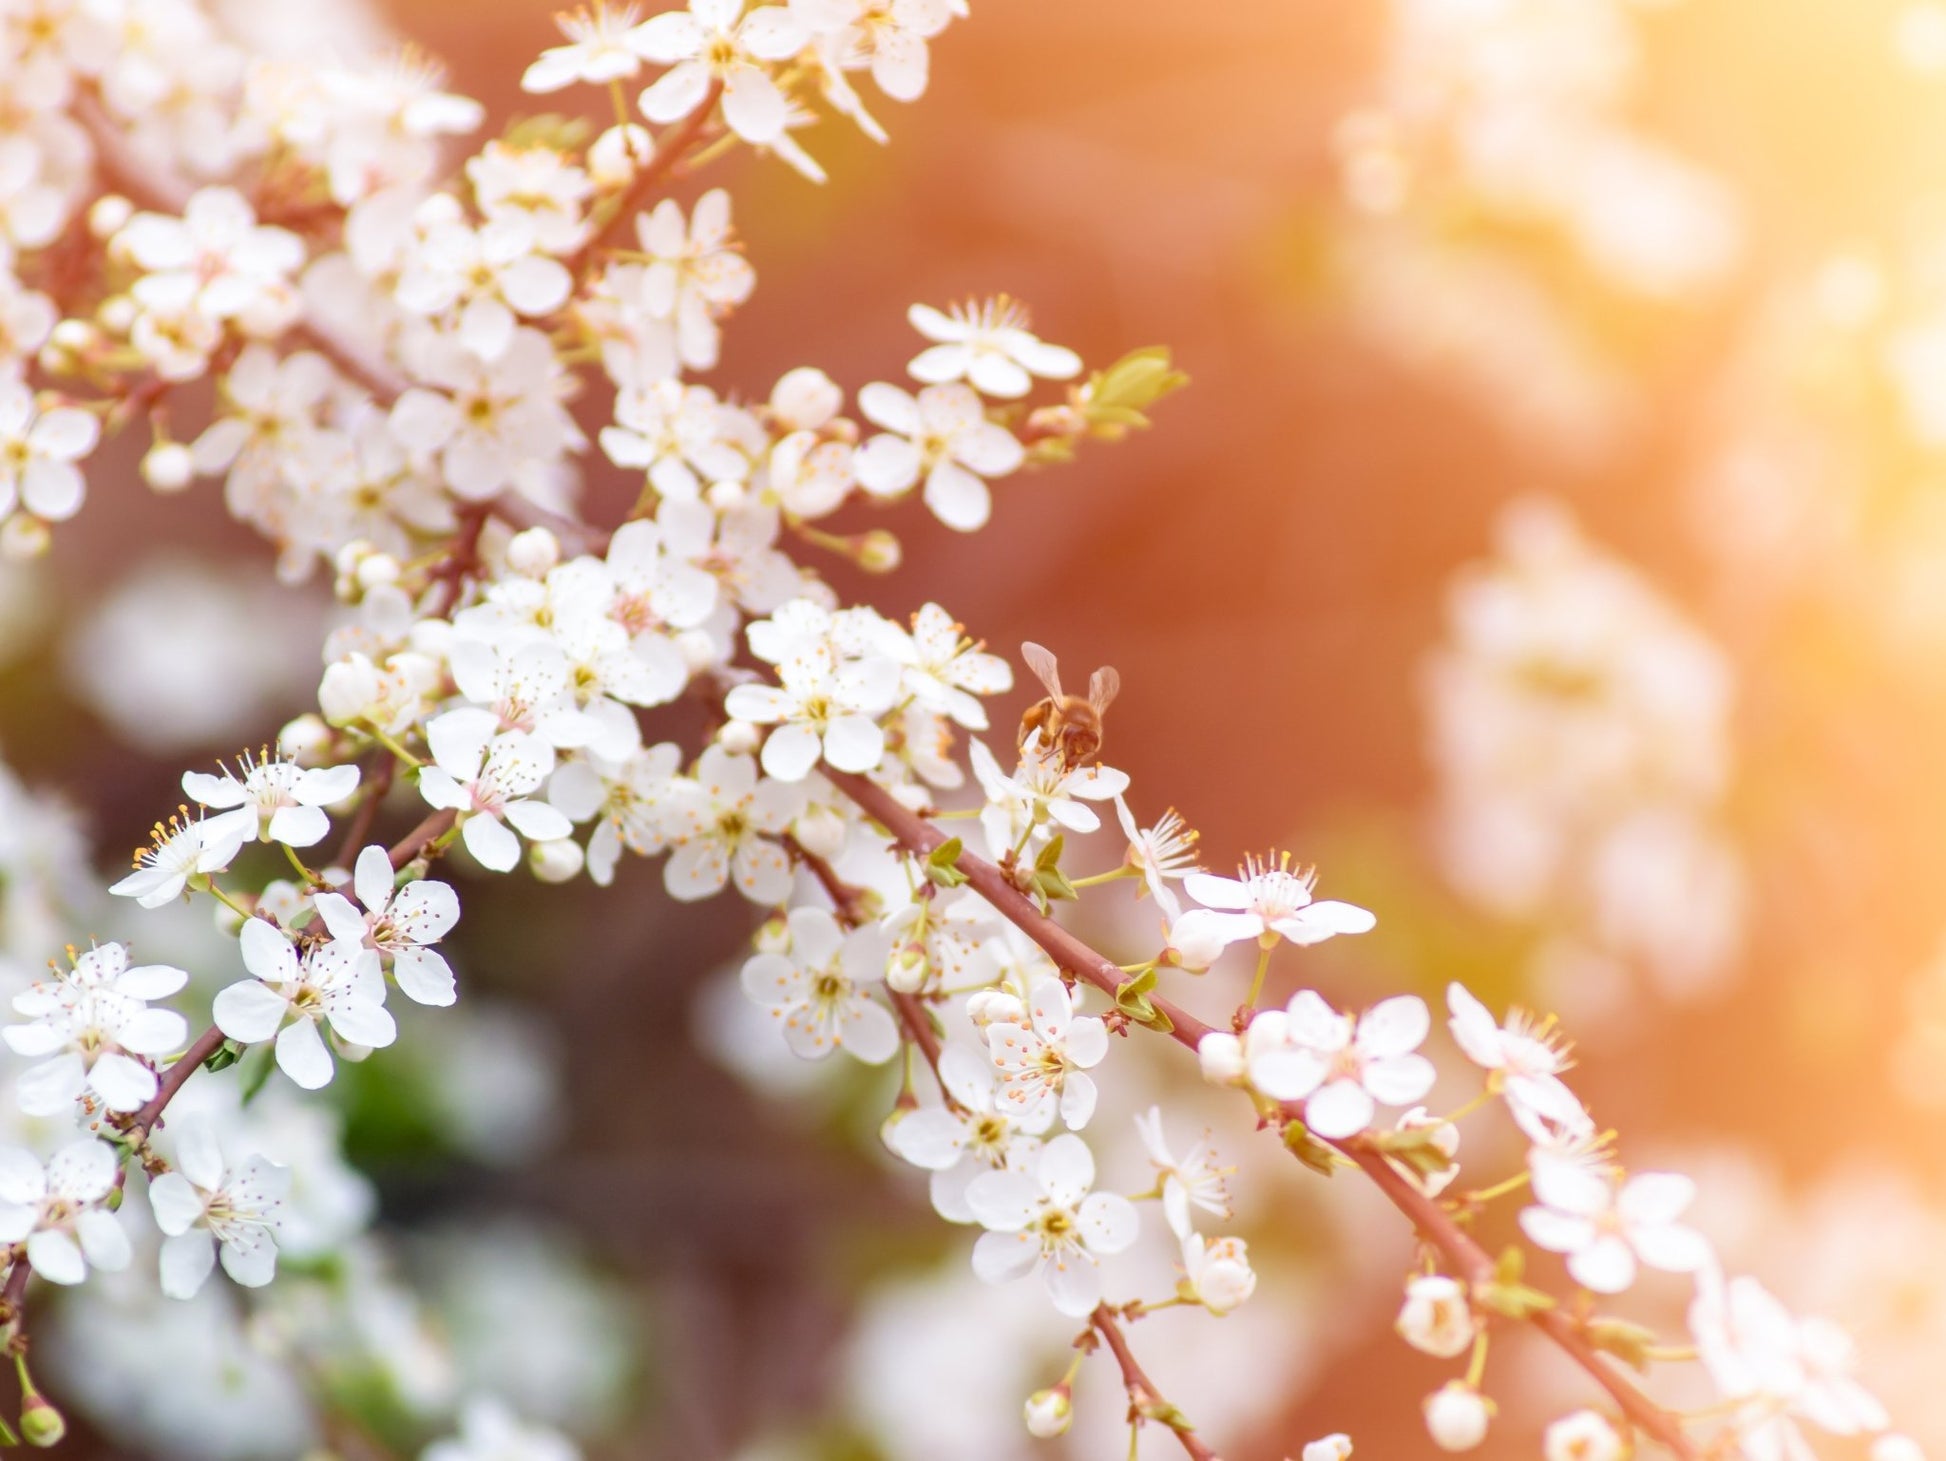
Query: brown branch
point(657, 170)
point(1145, 1402)
point(422, 836)
point(204, 1046)
point(1467, 1257)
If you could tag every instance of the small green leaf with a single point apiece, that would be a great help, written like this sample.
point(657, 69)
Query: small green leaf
point(1308, 1149)
point(1628, 1342)
point(223, 1056)
point(942, 867)
point(1513, 1300)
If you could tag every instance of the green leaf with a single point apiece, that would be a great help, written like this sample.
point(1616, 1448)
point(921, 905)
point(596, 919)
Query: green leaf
point(1132, 999)
point(1513, 1300)
point(223, 1056)
point(1628, 1342)
point(942, 867)
point(1308, 1149)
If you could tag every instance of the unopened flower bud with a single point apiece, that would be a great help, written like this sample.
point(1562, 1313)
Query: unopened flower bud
point(699, 651)
point(116, 314)
point(1436, 1318)
point(1049, 1412)
point(907, 969)
point(820, 831)
point(1329, 1448)
point(40, 1423)
point(725, 495)
point(879, 551)
point(168, 467)
point(994, 1007)
point(532, 552)
point(805, 398)
point(24, 536)
point(1457, 1416)
point(376, 571)
point(773, 938)
point(1217, 1274)
point(739, 737)
point(305, 739)
point(618, 153)
point(1221, 1055)
point(557, 860)
point(1587, 1436)
point(1194, 945)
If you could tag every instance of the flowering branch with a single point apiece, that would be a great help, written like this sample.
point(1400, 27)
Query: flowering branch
point(1145, 1402)
point(921, 837)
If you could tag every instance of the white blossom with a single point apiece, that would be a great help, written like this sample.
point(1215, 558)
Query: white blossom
point(1051, 1221)
point(943, 436)
point(1270, 901)
point(38, 451)
point(94, 1032)
point(724, 824)
point(1194, 1180)
point(1043, 1063)
point(817, 991)
point(59, 1209)
point(1584, 1435)
point(1605, 1230)
point(714, 41)
point(1216, 1274)
point(292, 995)
point(976, 1134)
point(1437, 1316)
point(1526, 1056)
point(205, 1205)
point(273, 800)
point(486, 776)
point(988, 345)
point(604, 45)
point(1341, 1069)
point(395, 927)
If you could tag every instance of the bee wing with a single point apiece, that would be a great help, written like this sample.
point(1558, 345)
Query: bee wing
point(1103, 686)
point(1045, 667)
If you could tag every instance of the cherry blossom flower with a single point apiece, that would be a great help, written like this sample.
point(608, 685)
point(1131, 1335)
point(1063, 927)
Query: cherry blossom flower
point(204, 1205)
point(987, 345)
point(274, 800)
point(289, 997)
point(1604, 1230)
point(604, 45)
point(59, 1209)
point(946, 670)
point(525, 684)
point(1778, 1367)
point(95, 1022)
point(534, 193)
point(1195, 1180)
point(1457, 1416)
point(1040, 794)
point(181, 849)
point(1335, 1447)
point(493, 424)
point(890, 35)
point(823, 706)
point(38, 452)
point(1523, 1055)
point(1216, 1274)
point(1052, 1222)
point(1271, 900)
point(1344, 1070)
point(1585, 1435)
point(1166, 850)
point(675, 433)
point(724, 825)
point(715, 41)
point(1437, 1316)
point(1043, 1063)
point(485, 280)
point(817, 990)
point(942, 435)
point(695, 274)
point(397, 926)
point(238, 269)
point(1443, 1137)
point(486, 776)
point(957, 1143)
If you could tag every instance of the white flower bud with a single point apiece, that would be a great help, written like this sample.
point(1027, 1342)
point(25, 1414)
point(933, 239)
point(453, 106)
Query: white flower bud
point(1193, 946)
point(879, 551)
point(1457, 1416)
point(774, 937)
point(168, 467)
point(994, 1007)
point(1049, 1412)
point(116, 314)
point(907, 969)
point(376, 571)
point(820, 831)
point(1221, 1055)
point(109, 213)
point(740, 738)
point(556, 861)
point(1329, 1448)
point(1584, 1436)
point(24, 536)
point(1217, 1275)
point(350, 555)
point(1445, 1139)
point(725, 495)
point(618, 153)
point(305, 739)
point(1436, 1317)
point(1893, 1447)
point(805, 398)
point(532, 552)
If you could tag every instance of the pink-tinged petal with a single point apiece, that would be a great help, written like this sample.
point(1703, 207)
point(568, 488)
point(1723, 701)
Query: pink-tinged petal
point(1004, 1201)
point(1315, 1023)
point(1055, 362)
point(868, 1032)
point(1558, 1232)
point(1215, 892)
point(1001, 1257)
point(1569, 1186)
point(301, 1055)
point(940, 363)
point(899, 66)
point(1109, 1222)
point(958, 498)
point(1073, 1283)
point(249, 1011)
point(753, 106)
point(990, 450)
point(1393, 1026)
point(1605, 1266)
point(52, 490)
point(996, 375)
point(1401, 1080)
point(930, 1138)
point(1077, 1102)
point(536, 285)
point(1671, 1247)
point(1342, 1108)
point(1655, 1197)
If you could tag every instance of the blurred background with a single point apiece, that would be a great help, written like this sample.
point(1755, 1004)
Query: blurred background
point(1551, 547)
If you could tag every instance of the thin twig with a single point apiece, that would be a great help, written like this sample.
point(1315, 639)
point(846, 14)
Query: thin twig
point(1145, 1402)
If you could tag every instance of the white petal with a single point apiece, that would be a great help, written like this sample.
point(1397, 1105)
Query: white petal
point(187, 1259)
point(1342, 1108)
point(301, 1055)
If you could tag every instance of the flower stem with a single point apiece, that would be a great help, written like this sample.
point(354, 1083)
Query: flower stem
point(1124, 871)
point(1257, 979)
point(1498, 1189)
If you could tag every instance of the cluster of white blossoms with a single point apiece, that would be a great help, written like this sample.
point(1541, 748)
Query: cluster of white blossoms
point(1580, 731)
point(393, 359)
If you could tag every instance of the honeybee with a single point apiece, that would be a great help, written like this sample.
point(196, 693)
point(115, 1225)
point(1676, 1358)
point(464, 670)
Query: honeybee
point(1070, 726)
